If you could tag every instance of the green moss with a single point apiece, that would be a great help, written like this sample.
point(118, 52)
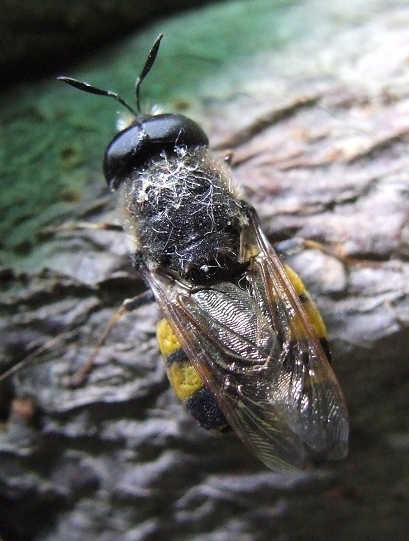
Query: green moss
point(54, 137)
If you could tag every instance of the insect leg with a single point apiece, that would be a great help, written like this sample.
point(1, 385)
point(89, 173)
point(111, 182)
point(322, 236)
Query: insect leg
point(46, 232)
point(27, 360)
point(127, 306)
point(292, 246)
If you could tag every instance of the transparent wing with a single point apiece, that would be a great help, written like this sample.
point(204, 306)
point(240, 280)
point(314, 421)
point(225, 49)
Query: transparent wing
point(309, 398)
point(254, 347)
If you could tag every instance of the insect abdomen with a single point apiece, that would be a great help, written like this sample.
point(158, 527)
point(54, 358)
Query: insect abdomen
point(311, 310)
point(187, 383)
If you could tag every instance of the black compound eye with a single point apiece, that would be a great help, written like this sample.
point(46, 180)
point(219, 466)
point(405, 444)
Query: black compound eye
point(135, 146)
point(122, 153)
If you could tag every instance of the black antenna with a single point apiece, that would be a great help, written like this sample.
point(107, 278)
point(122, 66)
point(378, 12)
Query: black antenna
point(146, 69)
point(86, 87)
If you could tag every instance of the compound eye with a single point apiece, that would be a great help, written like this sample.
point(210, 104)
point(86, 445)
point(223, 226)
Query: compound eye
point(121, 153)
point(176, 130)
point(148, 138)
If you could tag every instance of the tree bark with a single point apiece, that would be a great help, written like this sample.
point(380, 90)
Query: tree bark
point(319, 135)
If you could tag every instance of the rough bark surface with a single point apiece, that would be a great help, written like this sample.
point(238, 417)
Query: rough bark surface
point(322, 154)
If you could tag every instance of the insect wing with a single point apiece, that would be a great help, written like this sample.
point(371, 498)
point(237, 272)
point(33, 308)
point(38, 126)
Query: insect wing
point(232, 364)
point(256, 351)
point(308, 396)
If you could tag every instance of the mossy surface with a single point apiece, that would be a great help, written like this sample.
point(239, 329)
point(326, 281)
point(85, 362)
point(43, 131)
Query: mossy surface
point(54, 137)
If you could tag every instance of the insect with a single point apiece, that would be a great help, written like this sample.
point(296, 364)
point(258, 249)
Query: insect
point(244, 345)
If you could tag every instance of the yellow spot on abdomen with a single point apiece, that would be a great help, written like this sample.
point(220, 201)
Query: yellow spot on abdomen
point(184, 379)
point(295, 280)
point(168, 343)
point(181, 373)
point(309, 306)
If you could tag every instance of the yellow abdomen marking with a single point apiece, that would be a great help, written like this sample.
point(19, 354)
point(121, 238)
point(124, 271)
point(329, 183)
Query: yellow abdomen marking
point(181, 373)
point(168, 343)
point(295, 280)
point(184, 379)
point(309, 306)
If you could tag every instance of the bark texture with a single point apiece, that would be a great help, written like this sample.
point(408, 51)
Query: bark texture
point(320, 145)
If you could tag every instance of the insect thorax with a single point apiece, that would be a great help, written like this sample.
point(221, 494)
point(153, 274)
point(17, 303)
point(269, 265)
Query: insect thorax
point(182, 213)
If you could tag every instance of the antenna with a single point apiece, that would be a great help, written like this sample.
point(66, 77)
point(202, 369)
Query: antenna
point(146, 69)
point(86, 87)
